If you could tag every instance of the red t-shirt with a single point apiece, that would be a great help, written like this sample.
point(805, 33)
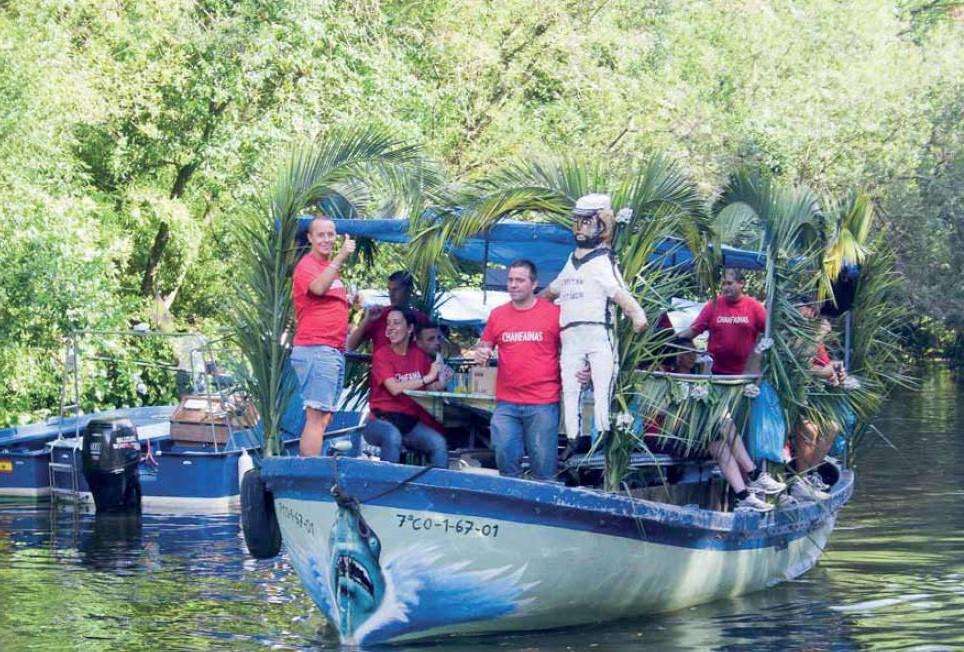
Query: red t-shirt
point(528, 343)
point(388, 364)
point(733, 328)
point(821, 357)
point(318, 319)
point(375, 331)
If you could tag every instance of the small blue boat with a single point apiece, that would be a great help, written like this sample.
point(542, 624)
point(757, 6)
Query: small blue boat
point(197, 475)
point(180, 477)
point(25, 450)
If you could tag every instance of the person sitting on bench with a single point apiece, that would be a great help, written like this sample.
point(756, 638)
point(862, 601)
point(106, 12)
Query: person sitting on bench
point(728, 452)
point(399, 420)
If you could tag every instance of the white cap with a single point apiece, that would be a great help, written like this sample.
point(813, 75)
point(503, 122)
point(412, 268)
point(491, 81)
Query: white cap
point(593, 203)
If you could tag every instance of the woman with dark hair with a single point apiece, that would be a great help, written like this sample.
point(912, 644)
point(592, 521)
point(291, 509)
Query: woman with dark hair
point(399, 420)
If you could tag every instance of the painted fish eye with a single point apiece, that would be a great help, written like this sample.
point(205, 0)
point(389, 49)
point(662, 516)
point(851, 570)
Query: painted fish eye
point(363, 528)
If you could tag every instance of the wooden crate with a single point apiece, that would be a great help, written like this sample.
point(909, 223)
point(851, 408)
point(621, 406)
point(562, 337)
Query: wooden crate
point(482, 380)
point(201, 418)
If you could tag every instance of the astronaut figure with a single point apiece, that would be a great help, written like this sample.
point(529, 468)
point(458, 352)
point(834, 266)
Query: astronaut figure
point(587, 290)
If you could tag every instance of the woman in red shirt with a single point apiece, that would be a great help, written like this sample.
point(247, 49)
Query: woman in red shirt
point(398, 419)
point(810, 444)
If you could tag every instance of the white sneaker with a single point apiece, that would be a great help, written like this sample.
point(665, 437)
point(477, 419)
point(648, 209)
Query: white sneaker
point(786, 500)
point(817, 482)
point(766, 484)
point(803, 490)
point(753, 503)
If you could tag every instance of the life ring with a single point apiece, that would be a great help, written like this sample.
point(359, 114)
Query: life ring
point(258, 519)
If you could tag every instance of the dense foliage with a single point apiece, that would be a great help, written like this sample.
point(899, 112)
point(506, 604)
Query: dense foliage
point(136, 137)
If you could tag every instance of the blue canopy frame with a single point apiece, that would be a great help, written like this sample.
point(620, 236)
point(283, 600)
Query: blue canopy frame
point(545, 244)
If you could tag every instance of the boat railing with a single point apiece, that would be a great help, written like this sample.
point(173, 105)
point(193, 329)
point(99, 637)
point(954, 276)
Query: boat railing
point(716, 379)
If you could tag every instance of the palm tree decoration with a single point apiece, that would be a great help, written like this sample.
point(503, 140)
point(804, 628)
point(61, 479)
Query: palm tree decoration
point(789, 219)
point(345, 164)
point(849, 224)
point(876, 357)
point(798, 266)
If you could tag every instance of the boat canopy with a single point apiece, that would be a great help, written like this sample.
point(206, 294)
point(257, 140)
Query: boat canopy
point(545, 244)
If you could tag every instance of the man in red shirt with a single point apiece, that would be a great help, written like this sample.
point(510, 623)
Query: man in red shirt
point(398, 419)
point(734, 321)
point(527, 387)
point(321, 326)
point(373, 323)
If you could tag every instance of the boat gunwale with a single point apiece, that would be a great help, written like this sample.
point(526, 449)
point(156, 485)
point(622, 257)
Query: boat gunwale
point(718, 529)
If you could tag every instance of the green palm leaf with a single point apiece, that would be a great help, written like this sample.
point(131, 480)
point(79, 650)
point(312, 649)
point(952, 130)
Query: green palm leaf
point(850, 223)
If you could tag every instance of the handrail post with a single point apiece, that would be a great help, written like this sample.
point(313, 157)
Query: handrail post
point(430, 288)
point(848, 326)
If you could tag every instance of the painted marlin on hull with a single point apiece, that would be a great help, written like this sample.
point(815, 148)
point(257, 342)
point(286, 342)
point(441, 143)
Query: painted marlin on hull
point(371, 596)
point(357, 581)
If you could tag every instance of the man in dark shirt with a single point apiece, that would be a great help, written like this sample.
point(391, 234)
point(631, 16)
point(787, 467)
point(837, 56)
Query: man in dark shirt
point(372, 325)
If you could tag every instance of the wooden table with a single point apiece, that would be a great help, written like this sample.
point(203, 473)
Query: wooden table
point(457, 409)
point(438, 404)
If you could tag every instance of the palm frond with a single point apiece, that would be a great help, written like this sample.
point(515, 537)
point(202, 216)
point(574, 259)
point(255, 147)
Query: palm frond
point(736, 225)
point(850, 223)
point(664, 202)
point(790, 217)
point(876, 354)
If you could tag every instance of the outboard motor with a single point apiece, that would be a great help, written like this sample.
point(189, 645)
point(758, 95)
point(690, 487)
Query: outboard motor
point(110, 453)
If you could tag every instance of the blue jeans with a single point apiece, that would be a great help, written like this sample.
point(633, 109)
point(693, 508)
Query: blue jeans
point(420, 438)
point(517, 429)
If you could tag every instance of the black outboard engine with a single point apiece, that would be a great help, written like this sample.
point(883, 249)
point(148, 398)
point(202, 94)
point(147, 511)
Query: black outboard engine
point(111, 453)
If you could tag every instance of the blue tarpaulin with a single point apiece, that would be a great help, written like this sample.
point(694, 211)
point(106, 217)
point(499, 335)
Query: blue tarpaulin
point(547, 245)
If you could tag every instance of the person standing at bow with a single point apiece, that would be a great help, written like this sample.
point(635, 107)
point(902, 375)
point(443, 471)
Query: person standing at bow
point(321, 327)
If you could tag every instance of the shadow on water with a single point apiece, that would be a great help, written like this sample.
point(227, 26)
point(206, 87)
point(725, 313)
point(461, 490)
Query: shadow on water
point(893, 574)
point(113, 541)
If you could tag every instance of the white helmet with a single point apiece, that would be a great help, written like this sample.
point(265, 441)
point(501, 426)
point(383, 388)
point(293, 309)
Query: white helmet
point(599, 208)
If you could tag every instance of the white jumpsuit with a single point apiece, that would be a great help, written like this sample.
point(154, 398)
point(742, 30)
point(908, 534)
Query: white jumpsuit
point(585, 289)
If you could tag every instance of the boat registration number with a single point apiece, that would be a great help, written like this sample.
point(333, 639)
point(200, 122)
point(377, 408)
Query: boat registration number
point(458, 526)
point(6, 466)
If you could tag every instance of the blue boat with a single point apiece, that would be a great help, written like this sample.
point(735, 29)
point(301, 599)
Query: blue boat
point(394, 552)
point(179, 477)
point(44, 460)
point(390, 552)
point(25, 450)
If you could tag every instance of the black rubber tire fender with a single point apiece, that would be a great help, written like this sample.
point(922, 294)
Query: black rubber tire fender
point(258, 519)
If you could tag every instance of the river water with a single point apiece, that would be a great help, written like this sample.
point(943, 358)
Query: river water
point(892, 576)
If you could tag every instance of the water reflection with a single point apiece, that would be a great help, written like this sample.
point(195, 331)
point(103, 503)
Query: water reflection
point(892, 577)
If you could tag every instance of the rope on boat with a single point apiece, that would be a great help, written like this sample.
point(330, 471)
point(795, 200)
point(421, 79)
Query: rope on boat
point(344, 499)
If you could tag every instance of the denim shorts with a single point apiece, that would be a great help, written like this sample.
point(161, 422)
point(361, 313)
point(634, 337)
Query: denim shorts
point(321, 375)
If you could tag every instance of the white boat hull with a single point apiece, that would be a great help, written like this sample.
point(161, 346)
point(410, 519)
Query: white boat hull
point(384, 572)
